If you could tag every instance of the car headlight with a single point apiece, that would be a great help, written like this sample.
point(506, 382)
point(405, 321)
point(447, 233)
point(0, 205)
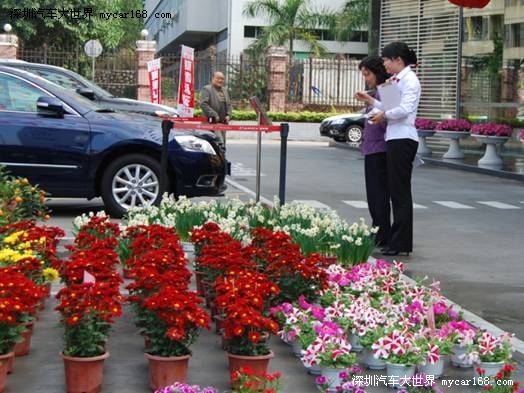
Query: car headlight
point(337, 121)
point(193, 143)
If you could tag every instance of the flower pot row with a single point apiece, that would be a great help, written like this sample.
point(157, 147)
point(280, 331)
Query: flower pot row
point(89, 302)
point(168, 313)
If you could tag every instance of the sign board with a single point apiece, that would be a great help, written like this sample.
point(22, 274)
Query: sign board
point(186, 84)
point(93, 48)
point(153, 69)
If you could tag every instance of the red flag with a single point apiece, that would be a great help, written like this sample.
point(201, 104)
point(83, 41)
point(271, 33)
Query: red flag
point(186, 84)
point(89, 278)
point(153, 69)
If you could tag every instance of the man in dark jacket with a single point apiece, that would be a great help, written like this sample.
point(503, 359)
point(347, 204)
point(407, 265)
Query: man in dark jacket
point(215, 103)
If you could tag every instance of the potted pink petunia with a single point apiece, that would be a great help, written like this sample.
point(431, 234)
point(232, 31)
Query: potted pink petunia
point(454, 129)
point(330, 350)
point(425, 127)
point(491, 135)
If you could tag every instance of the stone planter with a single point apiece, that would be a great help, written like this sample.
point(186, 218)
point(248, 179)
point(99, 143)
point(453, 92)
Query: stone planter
point(454, 151)
point(423, 149)
point(491, 158)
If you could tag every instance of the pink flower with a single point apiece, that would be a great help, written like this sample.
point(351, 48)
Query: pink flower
point(491, 129)
point(381, 348)
point(453, 125)
point(433, 355)
point(425, 124)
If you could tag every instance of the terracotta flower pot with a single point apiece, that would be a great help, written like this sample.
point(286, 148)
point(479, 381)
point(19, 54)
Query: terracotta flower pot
point(22, 348)
point(4, 366)
point(259, 364)
point(166, 370)
point(128, 273)
point(84, 375)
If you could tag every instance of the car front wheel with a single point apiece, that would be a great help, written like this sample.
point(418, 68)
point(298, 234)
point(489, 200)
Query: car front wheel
point(131, 180)
point(354, 134)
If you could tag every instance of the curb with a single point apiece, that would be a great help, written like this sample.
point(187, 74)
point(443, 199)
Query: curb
point(450, 164)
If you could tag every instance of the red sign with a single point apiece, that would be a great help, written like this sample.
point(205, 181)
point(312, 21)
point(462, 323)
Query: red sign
point(186, 84)
point(470, 3)
point(153, 69)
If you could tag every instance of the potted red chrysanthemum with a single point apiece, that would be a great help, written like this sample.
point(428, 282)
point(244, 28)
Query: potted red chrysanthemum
point(168, 313)
point(88, 305)
point(18, 296)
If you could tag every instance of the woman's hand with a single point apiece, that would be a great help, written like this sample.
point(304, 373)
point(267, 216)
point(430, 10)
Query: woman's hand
point(364, 97)
point(378, 117)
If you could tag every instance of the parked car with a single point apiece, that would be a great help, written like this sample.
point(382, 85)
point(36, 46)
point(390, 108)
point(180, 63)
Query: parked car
point(72, 147)
point(73, 81)
point(344, 128)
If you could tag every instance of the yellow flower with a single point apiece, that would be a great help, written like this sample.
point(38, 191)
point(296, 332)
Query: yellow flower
point(50, 274)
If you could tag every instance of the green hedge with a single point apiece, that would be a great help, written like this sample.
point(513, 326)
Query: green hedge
point(300, 117)
point(317, 117)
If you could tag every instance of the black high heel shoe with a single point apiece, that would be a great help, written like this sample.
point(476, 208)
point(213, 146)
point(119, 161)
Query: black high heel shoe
point(393, 252)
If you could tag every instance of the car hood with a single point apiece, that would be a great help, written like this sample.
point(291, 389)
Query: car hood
point(129, 104)
point(135, 125)
point(344, 116)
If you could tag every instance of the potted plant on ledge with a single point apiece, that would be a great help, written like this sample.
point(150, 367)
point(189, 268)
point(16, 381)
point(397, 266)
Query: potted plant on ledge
point(425, 128)
point(454, 129)
point(491, 134)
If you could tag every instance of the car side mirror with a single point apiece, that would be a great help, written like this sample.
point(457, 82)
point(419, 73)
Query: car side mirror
point(50, 106)
point(86, 92)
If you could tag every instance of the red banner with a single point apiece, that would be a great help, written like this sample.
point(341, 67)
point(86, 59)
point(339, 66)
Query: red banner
point(153, 69)
point(186, 84)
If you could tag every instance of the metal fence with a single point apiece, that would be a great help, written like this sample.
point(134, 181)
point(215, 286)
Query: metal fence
point(310, 82)
point(113, 71)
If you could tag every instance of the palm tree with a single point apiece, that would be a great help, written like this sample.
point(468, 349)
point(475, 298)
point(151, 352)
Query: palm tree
point(290, 20)
point(355, 16)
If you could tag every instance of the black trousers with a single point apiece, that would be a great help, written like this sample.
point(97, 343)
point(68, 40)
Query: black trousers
point(377, 194)
point(400, 155)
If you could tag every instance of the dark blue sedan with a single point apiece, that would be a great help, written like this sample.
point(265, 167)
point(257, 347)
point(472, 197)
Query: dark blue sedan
point(71, 147)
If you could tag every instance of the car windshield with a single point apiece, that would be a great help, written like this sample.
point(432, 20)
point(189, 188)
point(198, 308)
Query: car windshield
point(97, 89)
point(70, 97)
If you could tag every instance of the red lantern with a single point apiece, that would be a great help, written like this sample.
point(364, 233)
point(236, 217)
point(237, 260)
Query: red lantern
point(470, 3)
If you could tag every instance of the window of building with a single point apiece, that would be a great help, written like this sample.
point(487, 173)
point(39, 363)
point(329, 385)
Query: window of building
point(476, 28)
point(252, 31)
point(514, 35)
point(222, 35)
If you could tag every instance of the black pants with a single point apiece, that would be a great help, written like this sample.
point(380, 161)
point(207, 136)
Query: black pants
point(400, 155)
point(376, 175)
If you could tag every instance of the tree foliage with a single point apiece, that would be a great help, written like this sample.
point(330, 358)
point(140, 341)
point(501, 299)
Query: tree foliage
point(55, 24)
point(354, 17)
point(290, 20)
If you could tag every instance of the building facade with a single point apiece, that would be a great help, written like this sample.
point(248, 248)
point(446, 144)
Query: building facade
point(470, 59)
point(220, 24)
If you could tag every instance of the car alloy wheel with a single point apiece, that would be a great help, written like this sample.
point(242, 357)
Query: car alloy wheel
point(354, 134)
point(130, 181)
